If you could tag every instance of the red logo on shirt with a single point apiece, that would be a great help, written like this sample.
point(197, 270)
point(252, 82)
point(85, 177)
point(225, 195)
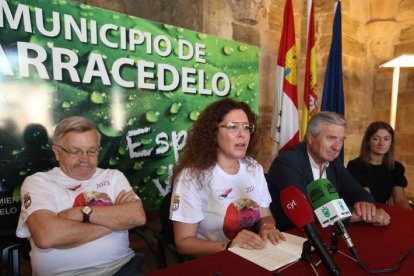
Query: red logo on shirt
point(224, 193)
point(75, 188)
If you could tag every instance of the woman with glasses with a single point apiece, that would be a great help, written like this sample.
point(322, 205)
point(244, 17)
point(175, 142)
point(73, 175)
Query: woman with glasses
point(220, 197)
point(376, 168)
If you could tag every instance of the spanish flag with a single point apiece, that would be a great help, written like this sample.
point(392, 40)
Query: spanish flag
point(285, 120)
point(310, 97)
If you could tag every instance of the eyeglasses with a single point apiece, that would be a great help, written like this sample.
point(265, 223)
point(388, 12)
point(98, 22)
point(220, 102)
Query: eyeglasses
point(76, 152)
point(235, 126)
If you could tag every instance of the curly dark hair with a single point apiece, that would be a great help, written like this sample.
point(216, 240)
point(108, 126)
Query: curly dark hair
point(200, 150)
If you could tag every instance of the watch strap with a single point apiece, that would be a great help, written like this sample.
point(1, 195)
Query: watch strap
point(85, 218)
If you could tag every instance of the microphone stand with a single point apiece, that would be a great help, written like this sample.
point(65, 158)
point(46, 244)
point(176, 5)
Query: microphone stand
point(333, 248)
point(305, 256)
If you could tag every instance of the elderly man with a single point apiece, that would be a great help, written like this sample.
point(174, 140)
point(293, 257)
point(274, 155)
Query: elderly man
point(77, 215)
point(316, 158)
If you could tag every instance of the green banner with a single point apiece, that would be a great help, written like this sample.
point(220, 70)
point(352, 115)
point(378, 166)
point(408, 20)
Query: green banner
point(143, 83)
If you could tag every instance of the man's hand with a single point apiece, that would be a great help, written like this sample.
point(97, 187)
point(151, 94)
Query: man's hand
point(367, 212)
point(380, 219)
point(125, 197)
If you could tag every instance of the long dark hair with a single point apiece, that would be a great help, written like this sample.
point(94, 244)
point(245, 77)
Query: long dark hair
point(200, 150)
point(389, 157)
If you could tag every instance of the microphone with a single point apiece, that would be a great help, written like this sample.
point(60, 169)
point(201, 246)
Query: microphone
point(330, 209)
point(298, 210)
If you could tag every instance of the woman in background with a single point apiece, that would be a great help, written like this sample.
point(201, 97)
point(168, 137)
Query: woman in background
point(376, 168)
point(220, 195)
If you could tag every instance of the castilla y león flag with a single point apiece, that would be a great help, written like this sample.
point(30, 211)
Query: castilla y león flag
point(285, 121)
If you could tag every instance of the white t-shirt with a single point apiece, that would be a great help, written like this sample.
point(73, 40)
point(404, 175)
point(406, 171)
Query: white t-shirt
point(55, 191)
point(225, 204)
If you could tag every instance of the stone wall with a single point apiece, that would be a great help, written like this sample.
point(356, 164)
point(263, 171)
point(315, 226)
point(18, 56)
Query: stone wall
point(373, 32)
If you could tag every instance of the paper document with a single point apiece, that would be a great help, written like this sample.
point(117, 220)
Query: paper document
point(274, 256)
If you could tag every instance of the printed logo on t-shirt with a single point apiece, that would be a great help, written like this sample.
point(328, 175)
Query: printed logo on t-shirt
point(175, 203)
point(240, 214)
point(92, 199)
point(75, 188)
point(224, 193)
point(27, 201)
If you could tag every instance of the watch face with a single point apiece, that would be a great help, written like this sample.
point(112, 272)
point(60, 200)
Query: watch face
point(86, 210)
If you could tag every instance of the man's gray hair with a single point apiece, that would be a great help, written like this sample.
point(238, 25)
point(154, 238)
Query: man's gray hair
point(74, 124)
point(320, 118)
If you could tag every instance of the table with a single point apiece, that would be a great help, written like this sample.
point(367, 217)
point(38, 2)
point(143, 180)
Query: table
point(379, 247)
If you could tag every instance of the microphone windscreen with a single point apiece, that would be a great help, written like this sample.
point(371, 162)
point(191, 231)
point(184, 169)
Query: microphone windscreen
point(320, 192)
point(296, 206)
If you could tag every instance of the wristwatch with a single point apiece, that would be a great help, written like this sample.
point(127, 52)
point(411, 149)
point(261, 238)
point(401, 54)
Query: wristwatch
point(86, 211)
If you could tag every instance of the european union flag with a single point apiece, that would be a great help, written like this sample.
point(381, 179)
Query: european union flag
point(333, 90)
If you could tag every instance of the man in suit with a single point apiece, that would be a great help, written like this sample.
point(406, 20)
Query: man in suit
point(317, 157)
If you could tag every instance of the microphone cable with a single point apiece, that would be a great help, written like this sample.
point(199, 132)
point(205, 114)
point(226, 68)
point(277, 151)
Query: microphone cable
point(385, 270)
point(334, 248)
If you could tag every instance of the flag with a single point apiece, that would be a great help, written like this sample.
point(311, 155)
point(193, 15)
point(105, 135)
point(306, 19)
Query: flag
point(310, 97)
point(333, 90)
point(285, 121)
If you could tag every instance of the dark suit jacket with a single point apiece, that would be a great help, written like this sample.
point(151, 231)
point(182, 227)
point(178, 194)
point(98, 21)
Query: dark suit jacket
point(292, 167)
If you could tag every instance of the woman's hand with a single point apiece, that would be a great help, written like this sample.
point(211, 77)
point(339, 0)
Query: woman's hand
point(267, 229)
point(269, 232)
point(248, 240)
